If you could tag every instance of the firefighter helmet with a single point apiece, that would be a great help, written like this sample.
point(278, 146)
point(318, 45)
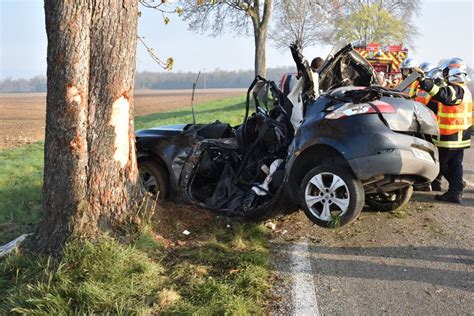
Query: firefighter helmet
point(437, 75)
point(407, 66)
point(457, 75)
point(426, 66)
point(453, 63)
point(408, 63)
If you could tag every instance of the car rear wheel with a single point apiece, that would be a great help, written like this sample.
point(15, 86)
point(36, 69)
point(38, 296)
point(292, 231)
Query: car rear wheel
point(154, 178)
point(331, 196)
point(390, 202)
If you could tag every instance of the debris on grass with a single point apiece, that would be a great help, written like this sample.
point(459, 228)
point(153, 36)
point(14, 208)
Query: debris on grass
point(12, 245)
point(270, 225)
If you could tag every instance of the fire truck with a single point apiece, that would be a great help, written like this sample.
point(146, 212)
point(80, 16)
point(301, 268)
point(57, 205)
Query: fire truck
point(384, 58)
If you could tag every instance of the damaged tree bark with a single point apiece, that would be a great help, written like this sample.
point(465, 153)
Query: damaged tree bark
point(90, 173)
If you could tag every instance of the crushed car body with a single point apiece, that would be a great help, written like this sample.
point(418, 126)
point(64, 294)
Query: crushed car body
point(355, 143)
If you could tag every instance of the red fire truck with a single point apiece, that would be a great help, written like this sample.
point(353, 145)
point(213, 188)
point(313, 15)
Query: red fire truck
point(384, 58)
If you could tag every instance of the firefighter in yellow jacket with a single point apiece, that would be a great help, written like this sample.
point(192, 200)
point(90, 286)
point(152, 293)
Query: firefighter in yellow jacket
point(454, 119)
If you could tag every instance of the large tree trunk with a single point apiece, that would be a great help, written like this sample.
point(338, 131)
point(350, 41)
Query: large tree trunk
point(260, 30)
point(260, 53)
point(90, 170)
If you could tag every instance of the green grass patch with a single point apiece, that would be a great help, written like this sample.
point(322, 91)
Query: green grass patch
point(90, 278)
point(229, 274)
point(212, 278)
point(21, 180)
point(230, 110)
point(225, 273)
point(411, 209)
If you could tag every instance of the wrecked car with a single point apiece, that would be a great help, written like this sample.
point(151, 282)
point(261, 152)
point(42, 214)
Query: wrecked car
point(339, 143)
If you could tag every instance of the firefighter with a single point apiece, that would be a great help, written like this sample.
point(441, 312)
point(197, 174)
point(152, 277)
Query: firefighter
point(421, 95)
point(454, 119)
point(407, 67)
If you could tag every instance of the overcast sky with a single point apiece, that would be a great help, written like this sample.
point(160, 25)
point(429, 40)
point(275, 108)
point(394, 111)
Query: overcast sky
point(446, 30)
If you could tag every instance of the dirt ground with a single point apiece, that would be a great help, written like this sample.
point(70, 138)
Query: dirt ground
point(22, 115)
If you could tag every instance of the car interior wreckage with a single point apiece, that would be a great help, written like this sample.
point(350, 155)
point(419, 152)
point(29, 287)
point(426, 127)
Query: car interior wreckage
point(336, 142)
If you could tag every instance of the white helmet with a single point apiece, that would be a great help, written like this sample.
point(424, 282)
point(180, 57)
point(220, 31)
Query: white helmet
point(437, 75)
point(408, 63)
point(454, 63)
point(457, 75)
point(426, 66)
point(406, 67)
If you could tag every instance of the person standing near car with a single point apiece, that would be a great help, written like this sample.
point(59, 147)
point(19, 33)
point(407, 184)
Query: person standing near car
point(454, 119)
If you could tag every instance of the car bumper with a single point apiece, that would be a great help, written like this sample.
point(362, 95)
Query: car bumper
point(401, 155)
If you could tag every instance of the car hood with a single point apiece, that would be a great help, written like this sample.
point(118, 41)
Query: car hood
point(167, 130)
point(344, 66)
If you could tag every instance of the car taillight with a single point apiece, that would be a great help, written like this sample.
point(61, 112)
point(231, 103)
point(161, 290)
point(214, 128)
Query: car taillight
point(350, 109)
point(383, 107)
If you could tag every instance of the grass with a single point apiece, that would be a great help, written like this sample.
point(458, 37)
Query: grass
point(230, 110)
point(143, 277)
point(224, 271)
point(411, 209)
point(21, 179)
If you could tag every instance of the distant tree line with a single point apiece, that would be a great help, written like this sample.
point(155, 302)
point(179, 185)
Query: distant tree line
point(162, 80)
point(169, 80)
point(35, 84)
point(208, 80)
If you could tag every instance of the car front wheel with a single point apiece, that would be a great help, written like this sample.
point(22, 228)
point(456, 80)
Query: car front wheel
point(154, 178)
point(331, 196)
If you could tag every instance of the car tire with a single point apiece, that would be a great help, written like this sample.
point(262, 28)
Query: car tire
point(378, 202)
point(331, 196)
point(154, 178)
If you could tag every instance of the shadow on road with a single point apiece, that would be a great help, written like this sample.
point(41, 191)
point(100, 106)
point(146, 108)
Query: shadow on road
point(448, 267)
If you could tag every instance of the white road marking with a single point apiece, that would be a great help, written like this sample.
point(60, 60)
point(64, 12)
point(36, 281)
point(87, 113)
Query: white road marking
point(303, 293)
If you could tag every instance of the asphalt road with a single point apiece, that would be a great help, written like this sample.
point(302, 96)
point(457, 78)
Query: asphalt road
point(416, 264)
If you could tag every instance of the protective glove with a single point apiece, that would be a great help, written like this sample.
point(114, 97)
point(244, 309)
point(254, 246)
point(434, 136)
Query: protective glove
point(427, 84)
point(421, 73)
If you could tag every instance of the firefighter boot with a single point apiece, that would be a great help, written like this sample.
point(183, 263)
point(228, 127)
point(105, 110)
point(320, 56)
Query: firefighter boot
point(449, 197)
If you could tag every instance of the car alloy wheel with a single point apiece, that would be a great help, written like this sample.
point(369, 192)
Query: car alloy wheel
point(327, 196)
point(149, 182)
point(154, 178)
point(331, 195)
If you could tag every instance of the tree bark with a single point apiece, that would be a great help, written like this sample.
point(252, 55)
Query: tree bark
point(260, 53)
point(90, 172)
point(260, 28)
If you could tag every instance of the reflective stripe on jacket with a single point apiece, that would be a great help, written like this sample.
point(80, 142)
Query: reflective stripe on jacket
point(423, 97)
point(412, 89)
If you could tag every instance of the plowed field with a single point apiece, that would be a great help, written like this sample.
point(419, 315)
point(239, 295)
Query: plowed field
point(22, 115)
